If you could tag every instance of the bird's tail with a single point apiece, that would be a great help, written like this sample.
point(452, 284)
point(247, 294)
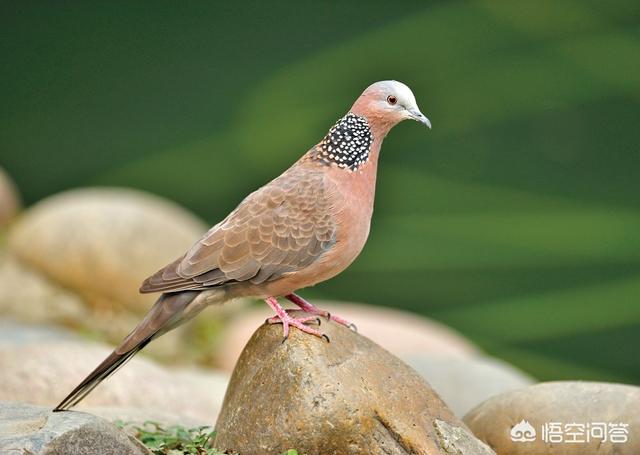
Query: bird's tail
point(167, 313)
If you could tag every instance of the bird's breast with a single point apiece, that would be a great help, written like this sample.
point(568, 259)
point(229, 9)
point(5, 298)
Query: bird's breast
point(354, 197)
point(349, 196)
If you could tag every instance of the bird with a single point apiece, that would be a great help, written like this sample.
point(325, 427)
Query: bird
point(304, 227)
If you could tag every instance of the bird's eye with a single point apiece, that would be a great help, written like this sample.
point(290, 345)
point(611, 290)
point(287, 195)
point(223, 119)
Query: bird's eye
point(392, 100)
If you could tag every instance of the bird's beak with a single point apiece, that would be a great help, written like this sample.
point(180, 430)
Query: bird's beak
point(418, 116)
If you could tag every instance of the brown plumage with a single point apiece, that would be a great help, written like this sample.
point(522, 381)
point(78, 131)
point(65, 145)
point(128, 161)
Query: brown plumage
point(303, 227)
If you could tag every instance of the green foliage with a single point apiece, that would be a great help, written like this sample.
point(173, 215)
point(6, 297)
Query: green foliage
point(176, 440)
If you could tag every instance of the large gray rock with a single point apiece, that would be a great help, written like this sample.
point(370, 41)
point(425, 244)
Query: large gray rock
point(349, 396)
point(465, 382)
point(28, 429)
point(44, 371)
point(103, 242)
point(584, 406)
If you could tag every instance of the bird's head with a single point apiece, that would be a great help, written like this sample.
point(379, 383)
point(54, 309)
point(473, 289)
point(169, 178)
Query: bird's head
point(387, 103)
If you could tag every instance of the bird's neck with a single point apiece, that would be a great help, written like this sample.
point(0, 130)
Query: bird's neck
point(350, 144)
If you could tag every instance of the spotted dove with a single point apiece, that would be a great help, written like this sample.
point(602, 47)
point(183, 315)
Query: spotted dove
point(303, 227)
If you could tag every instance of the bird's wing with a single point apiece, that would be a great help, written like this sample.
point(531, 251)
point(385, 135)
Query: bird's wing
point(283, 227)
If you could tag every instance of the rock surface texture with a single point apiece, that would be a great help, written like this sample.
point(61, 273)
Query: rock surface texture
point(28, 429)
point(563, 402)
point(348, 396)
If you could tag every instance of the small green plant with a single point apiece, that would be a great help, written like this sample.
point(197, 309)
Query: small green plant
point(178, 440)
point(175, 439)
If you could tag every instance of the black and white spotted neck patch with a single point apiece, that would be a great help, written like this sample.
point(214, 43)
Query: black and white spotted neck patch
point(347, 143)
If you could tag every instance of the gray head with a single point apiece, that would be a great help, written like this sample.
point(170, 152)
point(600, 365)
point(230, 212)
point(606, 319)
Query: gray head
point(387, 103)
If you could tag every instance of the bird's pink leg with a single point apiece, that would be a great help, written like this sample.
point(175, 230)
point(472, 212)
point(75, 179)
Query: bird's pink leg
point(282, 317)
point(308, 307)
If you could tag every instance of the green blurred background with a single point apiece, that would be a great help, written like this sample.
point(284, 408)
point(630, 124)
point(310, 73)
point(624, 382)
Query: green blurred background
point(515, 220)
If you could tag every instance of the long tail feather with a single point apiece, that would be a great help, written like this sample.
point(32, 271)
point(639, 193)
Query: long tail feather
point(167, 313)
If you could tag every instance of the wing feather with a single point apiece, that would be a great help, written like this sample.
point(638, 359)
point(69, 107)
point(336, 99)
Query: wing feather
point(283, 227)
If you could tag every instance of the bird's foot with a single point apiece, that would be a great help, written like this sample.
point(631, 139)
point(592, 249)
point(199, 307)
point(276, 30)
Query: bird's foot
point(310, 308)
point(284, 318)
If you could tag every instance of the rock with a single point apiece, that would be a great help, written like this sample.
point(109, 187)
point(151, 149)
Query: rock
point(28, 429)
point(400, 332)
point(564, 403)
point(29, 297)
point(458, 440)
point(463, 383)
point(9, 199)
point(45, 372)
point(349, 396)
point(103, 242)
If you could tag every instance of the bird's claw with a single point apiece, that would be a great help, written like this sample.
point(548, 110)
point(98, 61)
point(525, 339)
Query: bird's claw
point(300, 323)
point(312, 309)
point(341, 321)
point(305, 320)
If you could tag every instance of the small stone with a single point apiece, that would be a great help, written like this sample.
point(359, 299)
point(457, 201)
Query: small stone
point(465, 382)
point(349, 396)
point(562, 402)
point(28, 429)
